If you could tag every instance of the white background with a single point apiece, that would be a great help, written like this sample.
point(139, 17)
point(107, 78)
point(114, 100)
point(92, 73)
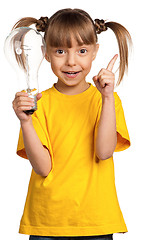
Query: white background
point(136, 169)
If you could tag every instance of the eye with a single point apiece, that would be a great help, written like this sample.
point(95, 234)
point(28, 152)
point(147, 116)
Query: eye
point(83, 50)
point(60, 51)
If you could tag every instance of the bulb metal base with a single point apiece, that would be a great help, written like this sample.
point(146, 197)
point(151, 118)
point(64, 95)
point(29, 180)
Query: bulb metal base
point(34, 108)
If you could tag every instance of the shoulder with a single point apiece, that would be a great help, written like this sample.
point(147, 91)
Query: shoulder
point(117, 98)
point(46, 93)
point(98, 96)
point(45, 96)
point(43, 102)
point(95, 93)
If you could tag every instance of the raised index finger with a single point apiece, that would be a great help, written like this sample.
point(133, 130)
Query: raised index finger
point(111, 63)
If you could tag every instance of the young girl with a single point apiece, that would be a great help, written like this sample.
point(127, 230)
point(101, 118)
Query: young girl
point(71, 138)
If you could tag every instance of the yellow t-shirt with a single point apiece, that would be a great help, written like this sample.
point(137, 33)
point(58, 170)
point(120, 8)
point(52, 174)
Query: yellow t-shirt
point(78, 197)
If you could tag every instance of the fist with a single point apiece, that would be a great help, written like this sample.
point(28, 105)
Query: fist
point(22, 102)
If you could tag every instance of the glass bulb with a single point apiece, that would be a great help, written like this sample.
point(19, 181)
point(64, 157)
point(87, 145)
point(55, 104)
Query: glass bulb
point(25, 49)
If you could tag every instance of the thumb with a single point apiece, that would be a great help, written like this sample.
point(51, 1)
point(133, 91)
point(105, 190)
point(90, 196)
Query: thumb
point(38, 96)
point(95, 78)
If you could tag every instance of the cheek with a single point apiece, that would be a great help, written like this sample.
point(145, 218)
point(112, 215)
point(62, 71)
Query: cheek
point(55, 66)
point(87, 64)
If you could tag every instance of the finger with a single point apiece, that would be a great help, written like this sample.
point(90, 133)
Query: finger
point(102, 71)
point(21, 100)
point(107, 76)
point(96, 82)
point(19, 105)
point(23, 108)
point(38, 96)
point(106, 82)
point(95, 78)
point(25, 103)
point(19, 94)
point(111, 63)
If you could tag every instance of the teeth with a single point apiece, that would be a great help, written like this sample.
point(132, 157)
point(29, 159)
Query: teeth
point(71, 72)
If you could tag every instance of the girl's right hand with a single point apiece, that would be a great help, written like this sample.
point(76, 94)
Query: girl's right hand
point(22, 103)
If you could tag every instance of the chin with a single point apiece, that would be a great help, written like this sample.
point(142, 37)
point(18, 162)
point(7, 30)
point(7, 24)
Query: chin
point(71, 82)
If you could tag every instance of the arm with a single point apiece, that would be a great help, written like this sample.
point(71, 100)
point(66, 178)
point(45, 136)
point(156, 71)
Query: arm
point(106, 133)
point(106, 138)
point(37, 154)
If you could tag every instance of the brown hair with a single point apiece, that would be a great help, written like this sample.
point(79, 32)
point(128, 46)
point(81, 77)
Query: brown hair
point(65, 23)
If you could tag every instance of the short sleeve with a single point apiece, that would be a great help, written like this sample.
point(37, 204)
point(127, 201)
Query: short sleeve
point(40, 126)
point(123, 139)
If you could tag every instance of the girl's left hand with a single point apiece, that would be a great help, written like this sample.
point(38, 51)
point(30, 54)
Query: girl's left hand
point(105, 79)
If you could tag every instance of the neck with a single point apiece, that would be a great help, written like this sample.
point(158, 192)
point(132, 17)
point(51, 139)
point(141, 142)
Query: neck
point(71, 89)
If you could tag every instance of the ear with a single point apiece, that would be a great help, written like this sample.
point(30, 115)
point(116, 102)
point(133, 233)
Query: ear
point(47, 57)
point(96, 48)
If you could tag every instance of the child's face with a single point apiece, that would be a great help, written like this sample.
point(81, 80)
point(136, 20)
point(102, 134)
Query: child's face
point(71, 65)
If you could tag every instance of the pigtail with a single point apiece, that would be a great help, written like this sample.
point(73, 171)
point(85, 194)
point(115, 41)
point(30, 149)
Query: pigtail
point(41, 24)
point(124, 41)
point(25, 22)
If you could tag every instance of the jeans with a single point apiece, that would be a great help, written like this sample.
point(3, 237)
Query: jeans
point(100, 237)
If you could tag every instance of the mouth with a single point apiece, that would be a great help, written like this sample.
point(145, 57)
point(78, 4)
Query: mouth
point(71, 74)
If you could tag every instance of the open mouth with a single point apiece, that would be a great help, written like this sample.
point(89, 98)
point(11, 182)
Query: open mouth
point(71, 74)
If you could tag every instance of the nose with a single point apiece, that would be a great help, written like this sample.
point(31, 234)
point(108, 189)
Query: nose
point(71, 59)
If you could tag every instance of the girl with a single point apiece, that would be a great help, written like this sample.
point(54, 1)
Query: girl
point(71, 138)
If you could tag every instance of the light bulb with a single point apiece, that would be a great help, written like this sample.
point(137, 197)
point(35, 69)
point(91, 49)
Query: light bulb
point(25, 49)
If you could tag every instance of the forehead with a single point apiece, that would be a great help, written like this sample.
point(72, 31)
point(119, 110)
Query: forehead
point(69, 35)
point(72, 42)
